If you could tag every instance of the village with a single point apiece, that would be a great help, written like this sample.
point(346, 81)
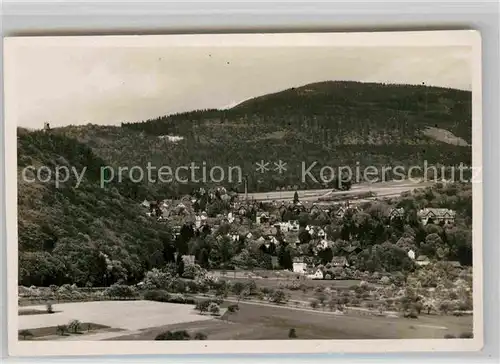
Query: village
point(304, 227)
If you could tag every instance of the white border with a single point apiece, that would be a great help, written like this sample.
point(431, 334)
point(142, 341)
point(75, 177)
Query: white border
point(421, 38)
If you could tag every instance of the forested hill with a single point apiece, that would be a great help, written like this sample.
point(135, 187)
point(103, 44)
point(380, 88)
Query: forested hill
point(84, 234)
point(332, 123)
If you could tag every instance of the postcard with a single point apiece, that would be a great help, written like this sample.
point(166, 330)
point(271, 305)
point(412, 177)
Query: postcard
point(291, 193)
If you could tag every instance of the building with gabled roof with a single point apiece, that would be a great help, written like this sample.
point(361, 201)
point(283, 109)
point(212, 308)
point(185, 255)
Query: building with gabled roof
point(436, 215)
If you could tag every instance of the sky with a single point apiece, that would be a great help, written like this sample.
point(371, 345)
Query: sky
point(79, 84)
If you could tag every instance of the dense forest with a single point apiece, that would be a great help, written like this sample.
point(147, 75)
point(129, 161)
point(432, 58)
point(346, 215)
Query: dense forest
point(85, 234)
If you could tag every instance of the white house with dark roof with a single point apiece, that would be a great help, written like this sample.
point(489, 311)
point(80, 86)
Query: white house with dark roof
point(315, 274)
point(397, 213)
point(437, 215)
point(299, 267)
point(422, 260)
point(340, 262)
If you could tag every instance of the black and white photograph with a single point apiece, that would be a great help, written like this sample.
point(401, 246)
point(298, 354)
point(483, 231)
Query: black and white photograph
point(296, 191)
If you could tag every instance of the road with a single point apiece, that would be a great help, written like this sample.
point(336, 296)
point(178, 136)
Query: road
point(381, 189)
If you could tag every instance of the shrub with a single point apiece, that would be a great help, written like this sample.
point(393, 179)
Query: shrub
point(214, 308)
point(157, 279)
point(157, 295)
point(25, 334)
point(62, 329)
point(175, 335)
point(202, 306)
point(278, 296)
point(49, 307)
point(449, 336)
point(466, 335)
point(178, 298)
point(411, 314)
point(163, 296)
point(200, 336)
point(314, 304)
point(120, 291)
point(292, 334)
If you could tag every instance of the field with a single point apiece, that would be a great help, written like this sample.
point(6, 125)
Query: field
point(381, 189)
point(123, 315)
point(143, 320)
point(265, 322)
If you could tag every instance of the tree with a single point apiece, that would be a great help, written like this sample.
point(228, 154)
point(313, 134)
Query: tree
point(238, 288)
point(278, 296)
point(314, 304)
point(74, 326)
point(231, 310)
point(292, 334)
point(25, 334)
point(202, 306)
point(332, 304)
point(175, 335)
point(180, 266)
point(214, 309)
point(296, 197)
point(321, 298)
point(49, 307)
point(62, 329)
point(304, 237)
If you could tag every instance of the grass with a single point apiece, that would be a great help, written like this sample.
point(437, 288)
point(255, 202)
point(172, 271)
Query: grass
point(255, 322)
point(33, 311)
point(49, 331)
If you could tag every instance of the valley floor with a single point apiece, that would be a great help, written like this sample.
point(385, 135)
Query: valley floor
point(143, 320)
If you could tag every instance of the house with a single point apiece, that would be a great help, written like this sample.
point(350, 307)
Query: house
point(293, 225)
point(411, 254)
point(320, 233)
point(397, 213)
point(314, 209)
point(299, 267)
point(422, 260)
point(316, 274)
point(188, 259)
point(352, 249)
point(262, 218)
point(249, 236)
point(340, 262)
point(436, 216)
point(242, 211)
point(340, 213)
point(272, 239)
point(145, 203)
point(322, 244)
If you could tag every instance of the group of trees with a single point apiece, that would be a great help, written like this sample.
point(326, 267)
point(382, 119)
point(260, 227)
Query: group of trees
point(180, 335)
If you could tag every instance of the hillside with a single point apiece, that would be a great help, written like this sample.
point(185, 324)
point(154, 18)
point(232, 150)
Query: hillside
point(332, 123)
point(84, 234)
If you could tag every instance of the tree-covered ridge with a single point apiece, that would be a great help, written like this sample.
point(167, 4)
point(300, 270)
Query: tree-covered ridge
point(333, 123)
point(85, 234)
point(342, 112)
